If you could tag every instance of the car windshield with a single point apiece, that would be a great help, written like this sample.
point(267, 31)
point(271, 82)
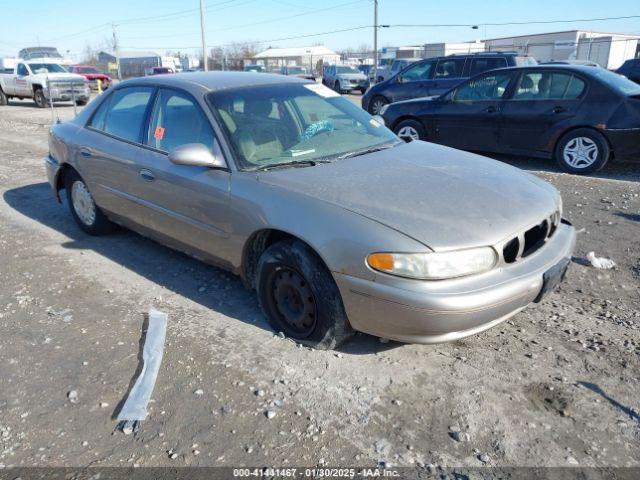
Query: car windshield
point(618, 82)
point(302, 123)
point(345, 69)
point(46, 68)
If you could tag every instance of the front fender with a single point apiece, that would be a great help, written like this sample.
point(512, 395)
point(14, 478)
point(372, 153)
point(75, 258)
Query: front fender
point(342, 238)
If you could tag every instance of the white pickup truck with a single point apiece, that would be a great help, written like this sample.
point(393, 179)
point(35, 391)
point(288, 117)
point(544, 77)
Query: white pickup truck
point(43, 80)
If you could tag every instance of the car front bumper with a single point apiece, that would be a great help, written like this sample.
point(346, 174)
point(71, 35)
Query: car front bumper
point(53, 170)
point(625, 142)
point(442, 311)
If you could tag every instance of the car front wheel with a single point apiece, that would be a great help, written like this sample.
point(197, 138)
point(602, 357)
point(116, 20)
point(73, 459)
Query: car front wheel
point(39, 98)
point(410, 130)
point(376, 104)
point(582, 151)
point(299, 296)
point(83, 208)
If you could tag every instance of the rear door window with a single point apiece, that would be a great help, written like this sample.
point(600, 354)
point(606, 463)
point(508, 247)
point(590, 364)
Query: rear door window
point(123, 114)
point(479, 65)
point(485, 88)
point(177, 120)
point(449, 68)
point(549, 86)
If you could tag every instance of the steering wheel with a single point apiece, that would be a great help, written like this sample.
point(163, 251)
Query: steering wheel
point(317, 128)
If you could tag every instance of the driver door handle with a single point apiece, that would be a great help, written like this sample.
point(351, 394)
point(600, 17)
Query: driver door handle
point(147, 175)
point(491, 109)
point(559, 109)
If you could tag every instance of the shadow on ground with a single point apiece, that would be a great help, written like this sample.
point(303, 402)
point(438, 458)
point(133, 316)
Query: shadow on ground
point(209, 286)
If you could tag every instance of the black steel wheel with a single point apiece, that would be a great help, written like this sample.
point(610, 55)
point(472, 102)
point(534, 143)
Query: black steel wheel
point(299, 296)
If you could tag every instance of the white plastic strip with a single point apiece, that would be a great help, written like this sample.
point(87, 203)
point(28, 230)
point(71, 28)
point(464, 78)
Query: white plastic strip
point(135, 408)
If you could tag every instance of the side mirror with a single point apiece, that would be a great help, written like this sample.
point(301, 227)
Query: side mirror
point(196, 155)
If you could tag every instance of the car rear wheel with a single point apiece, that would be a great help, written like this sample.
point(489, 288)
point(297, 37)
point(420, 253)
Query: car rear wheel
point(582, 151)
point(410, 130)
point(299, 296)
point(83, 208)
point(336, 87)
point(39, 98)
point(81, 103)
point(3, 98)
point(376, 104)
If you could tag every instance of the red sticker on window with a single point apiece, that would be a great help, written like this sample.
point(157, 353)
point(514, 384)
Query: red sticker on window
point(159, 133)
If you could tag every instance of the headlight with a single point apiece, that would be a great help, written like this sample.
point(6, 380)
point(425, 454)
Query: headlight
point(384, 109)
point(434, 266)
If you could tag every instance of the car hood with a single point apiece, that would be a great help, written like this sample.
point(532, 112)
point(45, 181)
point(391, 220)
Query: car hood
point(352, 76)
point(441, 197)
point(54, 77)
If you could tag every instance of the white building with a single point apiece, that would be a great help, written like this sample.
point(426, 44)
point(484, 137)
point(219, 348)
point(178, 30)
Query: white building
point(609, 50)
point(274, 58)
point(442, 49)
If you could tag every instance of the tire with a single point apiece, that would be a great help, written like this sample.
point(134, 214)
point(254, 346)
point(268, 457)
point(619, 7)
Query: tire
point(81, 103)
point(376, 104)
point(336, 87)
point(362, 91)
point(410, 130)
point(39, 98)
point(582, 151)
point(3, 98)
point(84, 210)
point(299, 296)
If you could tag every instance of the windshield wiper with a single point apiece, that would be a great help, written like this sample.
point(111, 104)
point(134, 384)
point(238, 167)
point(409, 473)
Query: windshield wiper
point(378, 148)
point(297, 163)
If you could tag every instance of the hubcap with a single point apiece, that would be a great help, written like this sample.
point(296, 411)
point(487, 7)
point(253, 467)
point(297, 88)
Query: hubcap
point(294, 301)
point(580, 152)
point(408, 134)
point(377, 106)
point(83, 203)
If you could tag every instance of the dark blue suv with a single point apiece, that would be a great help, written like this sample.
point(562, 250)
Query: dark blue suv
point(631, 70)
point(437, 75)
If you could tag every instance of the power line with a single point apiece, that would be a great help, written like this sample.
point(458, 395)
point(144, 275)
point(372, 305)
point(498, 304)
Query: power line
point(534, 22)
point(288, 17)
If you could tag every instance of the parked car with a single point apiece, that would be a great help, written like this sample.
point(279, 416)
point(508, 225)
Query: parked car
point(296, 71)
point(384, 72)
point(253, 68)
point(149, 72)
point(92, 74)
point(435, 76)
point(581, 116)
point(43, 81)
point(337, 224)
point(631, 70)
point(344, 78)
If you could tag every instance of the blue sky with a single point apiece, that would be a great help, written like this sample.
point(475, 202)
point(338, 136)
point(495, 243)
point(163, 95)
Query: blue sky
point(72, 24)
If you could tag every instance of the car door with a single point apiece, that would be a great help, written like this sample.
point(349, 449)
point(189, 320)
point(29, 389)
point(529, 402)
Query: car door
point(446, 75)
point(108, 150)
point(469, 116)
point(21, 84)
point(410, 82)
point(543, 103)
point(189, 204)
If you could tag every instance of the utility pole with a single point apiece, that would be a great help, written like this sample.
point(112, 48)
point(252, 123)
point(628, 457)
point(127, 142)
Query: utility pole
point(116, 49)
point(375, 41)
point(204, 43)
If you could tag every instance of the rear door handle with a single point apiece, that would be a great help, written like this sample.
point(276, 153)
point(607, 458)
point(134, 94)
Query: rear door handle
point(86, 152)
point(147, 175)
point(559, 109)
point(491, 109)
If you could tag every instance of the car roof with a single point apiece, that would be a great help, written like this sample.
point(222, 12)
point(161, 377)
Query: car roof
point(553, 66)
point(215, 80)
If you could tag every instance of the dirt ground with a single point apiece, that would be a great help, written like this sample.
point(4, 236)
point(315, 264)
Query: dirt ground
point(555, 386)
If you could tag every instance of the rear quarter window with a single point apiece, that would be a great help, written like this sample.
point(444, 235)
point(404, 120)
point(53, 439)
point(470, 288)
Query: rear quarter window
point(479, 65)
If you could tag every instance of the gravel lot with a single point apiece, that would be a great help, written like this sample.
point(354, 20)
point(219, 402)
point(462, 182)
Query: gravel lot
point(555, 386)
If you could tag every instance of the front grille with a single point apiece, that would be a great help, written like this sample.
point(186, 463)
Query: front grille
point(530, 241)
